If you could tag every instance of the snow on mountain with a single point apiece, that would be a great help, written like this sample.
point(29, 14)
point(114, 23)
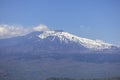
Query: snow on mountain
point(67, 37)
point(54, 41)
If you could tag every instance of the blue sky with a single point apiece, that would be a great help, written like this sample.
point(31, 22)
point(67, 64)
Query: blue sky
point(94, 19)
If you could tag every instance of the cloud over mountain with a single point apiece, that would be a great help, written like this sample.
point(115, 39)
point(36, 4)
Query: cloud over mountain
point(40, 27)
point(7, 31)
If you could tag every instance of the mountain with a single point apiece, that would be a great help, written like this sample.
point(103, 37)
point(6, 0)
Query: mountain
point(55, 53)
point(53, 40)
point(69, 38)
point(58, 44)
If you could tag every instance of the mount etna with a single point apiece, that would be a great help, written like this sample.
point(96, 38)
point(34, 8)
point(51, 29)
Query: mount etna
point(55, 53)
point(59, 44)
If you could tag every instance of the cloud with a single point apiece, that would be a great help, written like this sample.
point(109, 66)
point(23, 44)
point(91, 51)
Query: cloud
point(41, 27)
point(7, 31)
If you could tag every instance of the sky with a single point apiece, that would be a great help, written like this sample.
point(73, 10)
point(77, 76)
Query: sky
point(93, 19)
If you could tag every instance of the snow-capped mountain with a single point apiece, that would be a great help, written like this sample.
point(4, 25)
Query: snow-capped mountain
point(54, 41)
point(67, 37)
point(58, 44)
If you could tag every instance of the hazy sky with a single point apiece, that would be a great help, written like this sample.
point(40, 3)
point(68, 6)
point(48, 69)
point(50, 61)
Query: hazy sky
point(94, 19)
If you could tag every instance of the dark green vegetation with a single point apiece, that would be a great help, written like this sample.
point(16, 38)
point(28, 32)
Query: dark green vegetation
point(53, 78)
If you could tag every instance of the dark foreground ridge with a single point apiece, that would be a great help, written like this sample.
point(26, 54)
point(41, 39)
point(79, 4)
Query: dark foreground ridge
point(54, 78)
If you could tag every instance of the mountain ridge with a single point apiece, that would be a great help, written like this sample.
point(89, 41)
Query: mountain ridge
point(48, 45)
point(66, 37)
point(54, 41)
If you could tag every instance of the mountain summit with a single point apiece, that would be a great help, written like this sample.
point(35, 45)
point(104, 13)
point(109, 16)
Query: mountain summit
point(69, 38)
point(53, 41)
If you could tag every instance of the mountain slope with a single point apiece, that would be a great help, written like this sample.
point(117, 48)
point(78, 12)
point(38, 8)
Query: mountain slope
point(53, 41)
point(66, 37)
point(58, 45)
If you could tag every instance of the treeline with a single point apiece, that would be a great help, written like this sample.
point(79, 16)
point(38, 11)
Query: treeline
point(55, 78)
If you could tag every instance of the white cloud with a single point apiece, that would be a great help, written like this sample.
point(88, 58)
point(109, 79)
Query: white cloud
point(7, 31)
point(41, 27)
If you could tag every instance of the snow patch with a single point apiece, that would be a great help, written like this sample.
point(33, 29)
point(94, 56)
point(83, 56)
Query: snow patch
point(67, 37)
